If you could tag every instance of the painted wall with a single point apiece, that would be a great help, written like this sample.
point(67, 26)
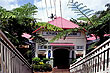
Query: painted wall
point(78, 41)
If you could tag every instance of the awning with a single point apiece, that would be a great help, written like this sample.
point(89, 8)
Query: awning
point(62, 44)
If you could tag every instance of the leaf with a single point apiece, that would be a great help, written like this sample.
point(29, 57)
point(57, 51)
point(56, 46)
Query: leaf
point(85, 10)
point(82, 18)
point(82, 7)
point(75, 3)
point(79, 4)
point(88, 11)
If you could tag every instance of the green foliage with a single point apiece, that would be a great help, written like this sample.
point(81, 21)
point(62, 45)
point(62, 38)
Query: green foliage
point(27, 10)
point(82, 18)
point(64, 33)
point(36, 67)
point(74, 60)
point(74, 20)
point(36, 59)
point(47, 67)
point(29, 53)
point(4, 14)
point(48, 26)
point(17, 21)
point(81, 10)
point(41, 66)
point(99, 22)
point(45, 60)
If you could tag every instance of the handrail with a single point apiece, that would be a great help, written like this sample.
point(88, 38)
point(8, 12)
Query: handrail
point(92, 51)
point(96, 61)
point(13, 49)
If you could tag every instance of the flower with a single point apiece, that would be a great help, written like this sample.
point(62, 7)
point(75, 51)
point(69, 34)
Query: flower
point(41, 63)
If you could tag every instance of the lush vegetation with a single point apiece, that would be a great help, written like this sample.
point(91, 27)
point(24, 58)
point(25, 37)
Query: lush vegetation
point(97, 23)
point(41, 65)
point(21, 20)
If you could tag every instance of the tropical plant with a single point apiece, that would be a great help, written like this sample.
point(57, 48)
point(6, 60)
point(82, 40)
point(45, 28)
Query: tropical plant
point(99, 23)
point(17, 21)
point(81, 10)
point(45, 60)
point(36, 60)
point(41, 66)
point(48, 26)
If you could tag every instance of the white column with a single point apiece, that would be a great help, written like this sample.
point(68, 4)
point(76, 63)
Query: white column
point(47, 51)
point(51, 61)
point(36, 50)
point(51, 53)
point(84, 51)
point(75, 51)
point(70, 56)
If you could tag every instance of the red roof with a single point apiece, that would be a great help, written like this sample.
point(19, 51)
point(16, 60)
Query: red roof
point(62, 44)
point(63, 23)
point(94, 38)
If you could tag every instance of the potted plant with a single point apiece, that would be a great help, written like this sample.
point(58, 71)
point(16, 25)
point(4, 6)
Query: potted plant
point(41, 66)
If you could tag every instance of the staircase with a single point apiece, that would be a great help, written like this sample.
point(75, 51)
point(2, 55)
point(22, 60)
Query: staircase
point(11, 60)
point(97, 61)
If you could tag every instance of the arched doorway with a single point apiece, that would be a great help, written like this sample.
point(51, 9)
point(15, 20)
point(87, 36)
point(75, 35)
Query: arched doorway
point(61, 58)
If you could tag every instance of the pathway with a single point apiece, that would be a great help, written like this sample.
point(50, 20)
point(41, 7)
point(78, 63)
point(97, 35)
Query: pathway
point(60, 71)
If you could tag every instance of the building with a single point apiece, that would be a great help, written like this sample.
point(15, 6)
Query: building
point(61, 51)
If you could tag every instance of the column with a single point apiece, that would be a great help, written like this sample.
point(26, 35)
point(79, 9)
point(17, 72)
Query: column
point(84, 51)
point(47, 51)
point(36, 50)
point(70, 56)
point(51, 53)
point(75, 51)
point(51, 61)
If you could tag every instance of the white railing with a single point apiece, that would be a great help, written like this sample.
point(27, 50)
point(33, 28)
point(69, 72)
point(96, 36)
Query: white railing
point(97, 61)
point(11, 61)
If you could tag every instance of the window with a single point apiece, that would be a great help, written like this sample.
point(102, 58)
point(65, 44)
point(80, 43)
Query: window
point(44, 47)
point(75, 34)
point(49, 47)
point(40, 47)
point(80, 47)
point(49, 33)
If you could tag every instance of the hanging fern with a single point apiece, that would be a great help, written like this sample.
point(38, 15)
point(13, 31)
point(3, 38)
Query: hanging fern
point(81, 10)
point(48, 26)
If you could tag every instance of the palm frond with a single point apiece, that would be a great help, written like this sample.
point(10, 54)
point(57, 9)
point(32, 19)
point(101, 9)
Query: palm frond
point(81, 10)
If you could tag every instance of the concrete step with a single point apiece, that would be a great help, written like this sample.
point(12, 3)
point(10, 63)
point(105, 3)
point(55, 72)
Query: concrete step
point(60, 71)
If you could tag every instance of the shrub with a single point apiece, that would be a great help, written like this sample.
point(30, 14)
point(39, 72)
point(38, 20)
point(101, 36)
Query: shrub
point(47, 67)
point(45, 60)
point(41, 65)
point(36, 67)
point(36, 60)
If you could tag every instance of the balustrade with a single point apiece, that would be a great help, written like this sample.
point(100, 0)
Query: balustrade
point(97, 61)
point(11, 60)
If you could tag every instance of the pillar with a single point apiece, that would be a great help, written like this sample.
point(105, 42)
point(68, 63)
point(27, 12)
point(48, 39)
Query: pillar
point(75, 51)
point(36, 50)
point(84, 51)
point(51, 61)
point(70, 56)
point(47, 51)
point(51, 53)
